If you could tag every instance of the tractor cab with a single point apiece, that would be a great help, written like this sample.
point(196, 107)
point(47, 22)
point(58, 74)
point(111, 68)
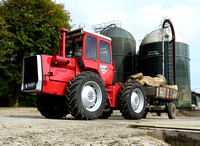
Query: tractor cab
point(90, 51)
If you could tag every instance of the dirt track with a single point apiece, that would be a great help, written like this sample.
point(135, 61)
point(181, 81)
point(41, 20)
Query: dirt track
point(25, 126)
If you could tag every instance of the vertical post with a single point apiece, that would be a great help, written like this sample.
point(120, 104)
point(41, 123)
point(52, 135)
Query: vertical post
point(63, 31)
point(163, 57)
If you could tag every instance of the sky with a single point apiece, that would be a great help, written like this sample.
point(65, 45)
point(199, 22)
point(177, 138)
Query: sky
point(141, 17)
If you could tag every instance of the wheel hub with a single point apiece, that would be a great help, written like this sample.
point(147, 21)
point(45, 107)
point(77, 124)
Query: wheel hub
point(91, 96)
point(88, 96)
point(137, 100)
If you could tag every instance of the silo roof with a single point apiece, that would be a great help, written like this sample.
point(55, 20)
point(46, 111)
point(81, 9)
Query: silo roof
point(117, 32)
point(159, 34)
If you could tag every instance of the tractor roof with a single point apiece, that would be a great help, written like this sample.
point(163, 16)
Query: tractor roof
point(80, 31)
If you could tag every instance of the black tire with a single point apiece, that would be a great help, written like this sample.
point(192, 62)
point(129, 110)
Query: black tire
point(86, 96)
point(106, 113)
point(171, 110)
point(145, 115)
point(132, 100)
point(53, 107)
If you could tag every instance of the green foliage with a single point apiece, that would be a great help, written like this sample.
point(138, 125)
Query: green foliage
point(26, 26)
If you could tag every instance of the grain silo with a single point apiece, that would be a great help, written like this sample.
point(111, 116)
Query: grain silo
point(123, 51)
point(165, 51)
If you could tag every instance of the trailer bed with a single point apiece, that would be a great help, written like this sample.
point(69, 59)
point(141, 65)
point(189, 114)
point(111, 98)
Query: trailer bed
point(161, 93)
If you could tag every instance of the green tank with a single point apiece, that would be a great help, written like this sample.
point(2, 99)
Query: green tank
point(155, 56)
point(123, 51)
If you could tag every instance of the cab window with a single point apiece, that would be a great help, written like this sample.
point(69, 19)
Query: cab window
point(91, 47)
point(104, 52)
point(73, 49)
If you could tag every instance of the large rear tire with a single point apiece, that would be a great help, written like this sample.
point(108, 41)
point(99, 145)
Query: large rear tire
point(86, 96)
point(53, 107)
point(132, 100)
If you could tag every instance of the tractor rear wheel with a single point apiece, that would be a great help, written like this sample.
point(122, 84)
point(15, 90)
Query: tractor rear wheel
point(132, 100)
point(86, 96)
point(52, 107)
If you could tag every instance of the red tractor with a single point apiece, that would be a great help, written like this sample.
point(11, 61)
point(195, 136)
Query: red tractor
point(79, 80)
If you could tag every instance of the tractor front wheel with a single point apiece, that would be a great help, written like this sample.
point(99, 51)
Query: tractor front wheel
point(86, 96)
point(53, 107)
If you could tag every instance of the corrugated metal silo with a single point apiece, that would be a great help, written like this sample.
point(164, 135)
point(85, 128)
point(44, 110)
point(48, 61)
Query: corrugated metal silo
point(124, 52)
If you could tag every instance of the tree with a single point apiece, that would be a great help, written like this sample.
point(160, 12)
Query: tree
point(5, 53)
point(27, 26)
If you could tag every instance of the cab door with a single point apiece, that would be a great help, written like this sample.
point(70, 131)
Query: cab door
point(90, 60)
point(106, 68)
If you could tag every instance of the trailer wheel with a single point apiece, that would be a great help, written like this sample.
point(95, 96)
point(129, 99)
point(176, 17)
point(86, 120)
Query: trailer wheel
point(171, 110)
point(52, 107)
point(86, 96)
point(133, 100)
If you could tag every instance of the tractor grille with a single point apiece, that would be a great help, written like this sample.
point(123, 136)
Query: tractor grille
point(30, 70)
point(32, 74)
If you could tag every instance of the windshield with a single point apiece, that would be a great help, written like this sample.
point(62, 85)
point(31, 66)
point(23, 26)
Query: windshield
point(73, 48)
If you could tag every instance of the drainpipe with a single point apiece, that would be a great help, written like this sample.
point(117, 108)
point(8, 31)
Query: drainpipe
point(174, 46)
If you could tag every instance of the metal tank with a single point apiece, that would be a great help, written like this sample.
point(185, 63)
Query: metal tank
point(123, 51)
point(156, 56)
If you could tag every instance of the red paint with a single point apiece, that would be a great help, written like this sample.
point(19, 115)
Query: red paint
point(113, 92)
point(55, 88)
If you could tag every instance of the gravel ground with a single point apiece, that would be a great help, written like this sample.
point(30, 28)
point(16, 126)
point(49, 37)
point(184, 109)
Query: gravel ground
point(25, 126)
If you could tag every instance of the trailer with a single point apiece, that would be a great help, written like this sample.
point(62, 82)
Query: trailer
point(161, 99)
